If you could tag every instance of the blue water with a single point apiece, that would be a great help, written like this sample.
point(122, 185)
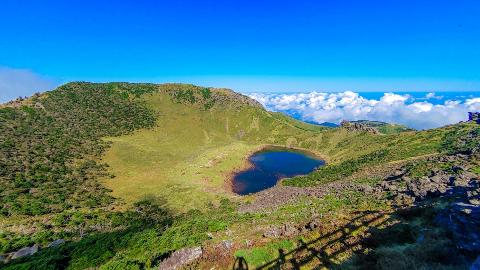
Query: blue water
point(271, 165)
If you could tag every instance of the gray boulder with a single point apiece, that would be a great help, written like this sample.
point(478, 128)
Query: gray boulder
point(474, 117)
point(26, 251)
point(426, 187)
point(283, 230)
point(312, 225)
point(227, 244)
point(273, 232)
point(396, 175)
point(56, 243)
point(181, 258)
point(289, 230)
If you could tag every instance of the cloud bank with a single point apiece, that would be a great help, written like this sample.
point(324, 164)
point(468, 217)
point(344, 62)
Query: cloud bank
point(392, 108)
point(21, 82)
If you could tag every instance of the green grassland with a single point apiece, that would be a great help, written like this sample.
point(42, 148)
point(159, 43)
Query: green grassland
point(128, 173)
point(192, 152)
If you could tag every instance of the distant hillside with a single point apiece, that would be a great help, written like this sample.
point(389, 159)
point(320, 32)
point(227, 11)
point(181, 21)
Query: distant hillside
point(382, 127)
point(385, 128)
point(324, 124)
point(328, 124)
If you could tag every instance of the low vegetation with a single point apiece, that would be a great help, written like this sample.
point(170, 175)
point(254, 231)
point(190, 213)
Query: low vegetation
point(129, 173)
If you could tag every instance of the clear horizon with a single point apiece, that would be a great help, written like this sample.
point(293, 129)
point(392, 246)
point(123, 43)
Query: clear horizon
point(24, 82)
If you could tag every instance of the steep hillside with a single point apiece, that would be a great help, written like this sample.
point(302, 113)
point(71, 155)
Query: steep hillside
point(127, 174)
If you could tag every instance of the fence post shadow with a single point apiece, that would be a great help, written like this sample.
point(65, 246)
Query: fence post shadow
point(318, 252)
point(240, 264)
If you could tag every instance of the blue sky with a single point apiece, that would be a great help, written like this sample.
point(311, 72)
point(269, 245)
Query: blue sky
point(250, 46)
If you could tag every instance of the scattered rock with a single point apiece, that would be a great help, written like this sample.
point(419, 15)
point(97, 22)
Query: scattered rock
point(425, 187)
point(272, 233)
point(56, 243)
point(463, 220)
point(227, 244)
point(474, 201)
point(365, 189)
point(181, 258)
point(223, 249)
point(398, 173)
point(462, 216)
point(289, 230)
point(26, 251)
point(389, 186)
point(403, 199)
point(358, 127)
point(474, 117)
point(312, 225)
point(39, 105)
point(278, 195)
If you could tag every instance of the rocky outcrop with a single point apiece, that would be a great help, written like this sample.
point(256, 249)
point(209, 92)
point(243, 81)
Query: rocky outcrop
point(26, 251)
point(29, 251)
point(56, 243)
point(289, 229)
point(453, 180)
point(461, 216)
point(279, 195)
point(463, 221)
point(358, 127)
point(474, 117)
point(181, 258)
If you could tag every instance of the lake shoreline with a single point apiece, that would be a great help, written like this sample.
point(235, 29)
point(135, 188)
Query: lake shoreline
point(276, 175)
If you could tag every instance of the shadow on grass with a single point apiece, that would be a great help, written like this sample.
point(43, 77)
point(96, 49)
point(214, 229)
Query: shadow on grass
point(240, 264)
point(139, 227)
point(314, 250)
point(405, 239)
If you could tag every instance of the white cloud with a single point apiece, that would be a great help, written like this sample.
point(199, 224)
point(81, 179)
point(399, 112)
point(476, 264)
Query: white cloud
point(21, 82)
point(391, 107)
point(391, 98)
point(429, 96)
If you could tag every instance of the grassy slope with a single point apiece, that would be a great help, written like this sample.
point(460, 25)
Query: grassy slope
point(185, 160)
point(191, 152)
